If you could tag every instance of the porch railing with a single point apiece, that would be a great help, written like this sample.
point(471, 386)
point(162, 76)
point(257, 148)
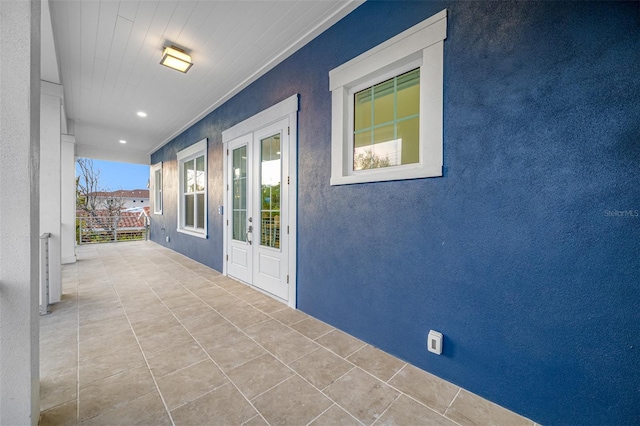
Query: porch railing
point(108, 229)
point(44, 273)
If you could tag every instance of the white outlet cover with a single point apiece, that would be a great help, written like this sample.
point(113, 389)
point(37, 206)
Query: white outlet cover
point(434, 342)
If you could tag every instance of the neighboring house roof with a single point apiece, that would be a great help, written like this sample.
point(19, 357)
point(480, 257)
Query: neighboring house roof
point(124, 193)
point(127, 219)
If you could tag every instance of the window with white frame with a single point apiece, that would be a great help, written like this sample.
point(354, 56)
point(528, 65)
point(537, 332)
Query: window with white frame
point(192, 192)
point(156, 180)
point(387, 108)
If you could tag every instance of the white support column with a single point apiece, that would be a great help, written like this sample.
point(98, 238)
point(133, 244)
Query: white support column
point(19, 211)
point(68, 200)
point(50, 176)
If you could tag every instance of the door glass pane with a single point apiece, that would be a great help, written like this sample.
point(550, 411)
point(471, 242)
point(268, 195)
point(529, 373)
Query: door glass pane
point(188, 210)
point(189, 176)
point(200, 173)
point(239, 184)
point(270, 179)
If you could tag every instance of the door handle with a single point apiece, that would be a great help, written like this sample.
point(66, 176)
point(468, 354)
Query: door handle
point(249, 231)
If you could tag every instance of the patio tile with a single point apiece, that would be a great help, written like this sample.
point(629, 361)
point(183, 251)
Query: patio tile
point(108, 364)
point(428, 389)
point(62, 415)
point(406, 411)
point(155, 324)
point(267, 304)
point(321, 367)
point(267, 331)
point(380, 364)
point(248, 317)
point(107, 343)
point(175, 358)
point(289, 316)
point(256, 421)
point(58, 390)
point(312, 328)
point(335, 416)
point(340, 342)
point(203, 322)
point(190, 383)
point(144, 411)
point(470, 409)
point(115, 390)
point(290, 347)
point(369, 402)
point(294, 402)
point(229, 356)
point(164, 339)
point(225, 404)
point(259, 375)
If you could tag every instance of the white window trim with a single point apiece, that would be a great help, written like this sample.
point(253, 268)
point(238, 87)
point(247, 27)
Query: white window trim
point(421, 45)
point(189, 153)
point(155, 168)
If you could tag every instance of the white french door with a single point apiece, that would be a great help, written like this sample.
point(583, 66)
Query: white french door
point(257, 218)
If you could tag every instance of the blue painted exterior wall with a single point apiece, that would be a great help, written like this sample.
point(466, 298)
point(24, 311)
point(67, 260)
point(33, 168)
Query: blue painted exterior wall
point(526, 254)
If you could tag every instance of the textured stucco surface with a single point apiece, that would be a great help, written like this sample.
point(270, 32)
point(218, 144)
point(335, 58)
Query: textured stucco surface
point(19, 213)
point(526, 253)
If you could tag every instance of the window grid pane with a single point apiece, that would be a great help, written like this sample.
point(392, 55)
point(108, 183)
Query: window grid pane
point(189, 176)
point(200, 211)
point(199, 174)
point(158, 190)
point(393, 108)
point(188, 210)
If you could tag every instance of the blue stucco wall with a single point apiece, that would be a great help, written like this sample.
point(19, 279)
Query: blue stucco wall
point(526, 254)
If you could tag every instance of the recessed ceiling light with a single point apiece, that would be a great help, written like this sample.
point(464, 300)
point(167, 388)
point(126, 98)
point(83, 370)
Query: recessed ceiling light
point(141, 114)
point(123, 141)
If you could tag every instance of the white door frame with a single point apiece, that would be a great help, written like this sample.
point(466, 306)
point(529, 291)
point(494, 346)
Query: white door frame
point(287, 108)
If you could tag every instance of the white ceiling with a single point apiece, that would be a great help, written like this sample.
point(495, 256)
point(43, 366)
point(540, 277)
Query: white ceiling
point(108, 54)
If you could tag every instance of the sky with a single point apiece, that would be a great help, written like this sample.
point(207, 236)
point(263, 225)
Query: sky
point(115, 175)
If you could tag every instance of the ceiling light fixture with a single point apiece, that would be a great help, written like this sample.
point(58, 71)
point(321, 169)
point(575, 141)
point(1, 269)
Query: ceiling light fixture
point(123, 141)
point(141, 114)
point(176, 58)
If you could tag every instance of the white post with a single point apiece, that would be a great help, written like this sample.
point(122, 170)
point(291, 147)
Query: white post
point(19, 211)
point(50, 176)
point(68, 198)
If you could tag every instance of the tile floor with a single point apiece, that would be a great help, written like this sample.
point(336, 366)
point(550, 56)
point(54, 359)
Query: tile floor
point(146, 336)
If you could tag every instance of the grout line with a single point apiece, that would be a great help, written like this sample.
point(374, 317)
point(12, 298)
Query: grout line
point(396, 373)
point(78, 347)
point(386, 409)
point(274, 386)
point(353, 367)
point(203, 395)
point(320, 415)
point(451, 402)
